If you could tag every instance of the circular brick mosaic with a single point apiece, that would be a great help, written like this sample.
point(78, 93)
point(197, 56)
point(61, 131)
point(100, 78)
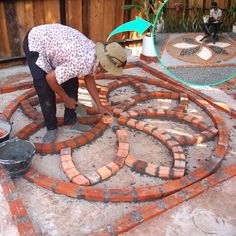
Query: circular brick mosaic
point(125, 117)
point(190, 49)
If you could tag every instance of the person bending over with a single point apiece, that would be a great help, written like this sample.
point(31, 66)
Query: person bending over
point(57, 56)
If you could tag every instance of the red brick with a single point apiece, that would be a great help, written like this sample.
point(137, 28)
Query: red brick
point(104, 172)
point(113, 167)
point(80, 180)
point(120, 161)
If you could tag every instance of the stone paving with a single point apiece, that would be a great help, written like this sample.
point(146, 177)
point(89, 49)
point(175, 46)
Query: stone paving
point(179, 186)
point(196, 62)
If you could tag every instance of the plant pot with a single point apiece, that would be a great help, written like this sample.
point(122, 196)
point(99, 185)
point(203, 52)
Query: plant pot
point(234, 28)
point(148, 47)
point(16, 156)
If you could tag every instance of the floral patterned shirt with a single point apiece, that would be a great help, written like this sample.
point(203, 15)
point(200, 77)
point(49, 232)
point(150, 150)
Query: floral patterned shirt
point(63, 49)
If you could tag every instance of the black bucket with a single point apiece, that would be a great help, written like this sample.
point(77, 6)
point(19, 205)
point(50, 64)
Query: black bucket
point(6, 127)
point(16, 156)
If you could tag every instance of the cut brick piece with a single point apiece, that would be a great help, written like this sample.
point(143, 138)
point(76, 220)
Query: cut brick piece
point(130, 160)
point(124, 146)
point(140, 166)
point(151, 169)
point(149, 128)
point(80, 180)
point(66, 151)
point(164, 172)
point(133, 114)
point(71, 173)
point(179, 156)
point(67, 165)
point(113, 167)
point(179, 164)
point(131, 122)
point(93, 177)
point(122, 136)
point(140, 125)
point(66, 158)
point(151, 112)
point(122, 153)
point(104, 172)
point(120, 161)
point(160, 112)
point(178, 173)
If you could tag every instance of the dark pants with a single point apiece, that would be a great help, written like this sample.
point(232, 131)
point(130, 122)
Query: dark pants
point(47, 98)
point(215, 26)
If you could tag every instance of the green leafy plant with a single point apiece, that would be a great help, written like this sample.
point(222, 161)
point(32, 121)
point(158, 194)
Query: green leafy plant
point(147, 8)
point(229, 19)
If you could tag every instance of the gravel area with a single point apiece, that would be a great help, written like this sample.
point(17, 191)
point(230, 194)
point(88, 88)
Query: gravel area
point(160, 39)
point(204, 75)
point(233, 35)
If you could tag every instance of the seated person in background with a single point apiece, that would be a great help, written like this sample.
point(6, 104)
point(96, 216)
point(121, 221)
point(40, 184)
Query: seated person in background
point(215, 20)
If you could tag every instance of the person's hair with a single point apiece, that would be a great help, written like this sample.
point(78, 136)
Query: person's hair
point(214, 4)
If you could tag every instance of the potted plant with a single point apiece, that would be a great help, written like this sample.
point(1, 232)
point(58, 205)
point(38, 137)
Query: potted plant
point(148, 10)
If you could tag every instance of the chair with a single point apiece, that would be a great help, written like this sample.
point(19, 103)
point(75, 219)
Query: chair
point(211, 27)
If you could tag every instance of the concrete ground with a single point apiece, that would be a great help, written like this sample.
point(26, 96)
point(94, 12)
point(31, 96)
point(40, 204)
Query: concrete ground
point(212, 213)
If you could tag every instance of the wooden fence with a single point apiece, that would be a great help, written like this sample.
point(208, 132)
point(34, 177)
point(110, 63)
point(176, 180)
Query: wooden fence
point(95, 18)
point(181, 20)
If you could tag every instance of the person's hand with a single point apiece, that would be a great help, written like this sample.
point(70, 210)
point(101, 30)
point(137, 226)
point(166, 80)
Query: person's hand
point(104, 111)
point(70, 103)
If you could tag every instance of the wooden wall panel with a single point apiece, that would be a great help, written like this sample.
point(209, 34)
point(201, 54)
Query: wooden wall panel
point(5, 50)
point(109, 18)
point(233, 3)
point(12, 27)
point(74, 14)
point(20, 12)
point(119, 17)
point(198, 2)
point(95, 19)
point(51, 11)
point(223, 4)
point(29, 15)
point(38, 11)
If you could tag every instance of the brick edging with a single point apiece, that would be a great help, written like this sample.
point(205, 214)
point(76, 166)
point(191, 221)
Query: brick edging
point(17, 209)
point(103, 172)
point(151, 210)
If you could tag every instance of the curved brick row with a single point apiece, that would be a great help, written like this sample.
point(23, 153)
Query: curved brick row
point(179, 163)
point(53, 148)
point(104, 194)
point(151, 210)
point(200, 99)
point(178, 86)
point(139, 87)
point(183, 103)
point(102, 173)
point(15, 87)
point(150, 192)
point(32, 113)
point(18, 211)
point(125, 105)
point(13, 105)
point(207, 131)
